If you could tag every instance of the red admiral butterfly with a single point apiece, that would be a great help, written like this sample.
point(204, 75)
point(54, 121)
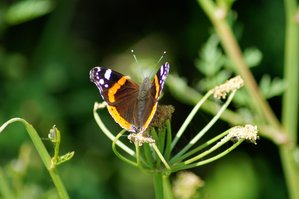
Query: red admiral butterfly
point(131, 106)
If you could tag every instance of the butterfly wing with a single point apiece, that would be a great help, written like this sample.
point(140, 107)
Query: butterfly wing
point(159, 79)
point(120, 93)
point(156, 88)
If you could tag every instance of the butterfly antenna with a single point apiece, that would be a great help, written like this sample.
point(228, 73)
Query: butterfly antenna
point(157, 64)
point(134, 56)
point(136, 60)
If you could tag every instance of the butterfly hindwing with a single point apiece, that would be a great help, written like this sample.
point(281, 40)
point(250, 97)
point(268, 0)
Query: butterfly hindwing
point(155, 92)
point(161, 76)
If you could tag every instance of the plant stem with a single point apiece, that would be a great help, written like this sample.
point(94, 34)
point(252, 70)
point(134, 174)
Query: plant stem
point(160, 155)
point(184, 166)
point(162, 186)
point(167, 187)
point(114, 143)
point(167, 150)
point(204, 145)
point(43, 153)
point(189, 118)
point(290, 98)
point(158, 185)
point(291, 71)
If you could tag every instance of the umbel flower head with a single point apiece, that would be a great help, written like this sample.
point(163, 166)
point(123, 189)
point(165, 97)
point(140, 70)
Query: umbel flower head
point(229, 86)
point(248, 132)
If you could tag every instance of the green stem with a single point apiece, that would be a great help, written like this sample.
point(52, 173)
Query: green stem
point(167, 187)
point(201, 147)
point(162, 138)
point(138, 157)
point(160, 155)
point(43, 153)
point(290, 99)
point(162, 186)
point(167, 151)
point(291, 71)
point(158, 185)
point(207, 152)
point(189, 118)
point(184, 166)
point(114, 143)
point(149, 159)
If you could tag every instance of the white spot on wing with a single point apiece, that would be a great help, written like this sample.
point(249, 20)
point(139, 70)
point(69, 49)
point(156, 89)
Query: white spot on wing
point(102, 81)
point(161, 70)
point(108, 74)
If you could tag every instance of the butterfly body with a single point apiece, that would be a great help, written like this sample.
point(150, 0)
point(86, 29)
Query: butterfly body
point(131, 106)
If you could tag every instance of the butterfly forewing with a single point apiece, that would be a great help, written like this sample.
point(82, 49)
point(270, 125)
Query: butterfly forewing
point(112, 84)
point(119, 92)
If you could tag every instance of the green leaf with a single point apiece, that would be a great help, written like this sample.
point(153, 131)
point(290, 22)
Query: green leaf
point(252, 57)
point(272, 88)
point(211, 58)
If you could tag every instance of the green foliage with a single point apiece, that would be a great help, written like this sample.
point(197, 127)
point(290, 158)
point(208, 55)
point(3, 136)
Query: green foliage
point(252, 57)
point(27, 10)
point(272, 88)
point(217, 68)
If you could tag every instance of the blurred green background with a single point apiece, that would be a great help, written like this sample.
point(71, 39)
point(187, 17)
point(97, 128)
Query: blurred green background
point(46, 51)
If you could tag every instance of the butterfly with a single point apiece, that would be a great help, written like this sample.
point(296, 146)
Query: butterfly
point(131, 105)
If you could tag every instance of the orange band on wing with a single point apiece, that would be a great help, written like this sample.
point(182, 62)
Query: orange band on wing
point(119, 119)
point(151, 115)
point(157, 86)
point(115, 87)
point(149, 119)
